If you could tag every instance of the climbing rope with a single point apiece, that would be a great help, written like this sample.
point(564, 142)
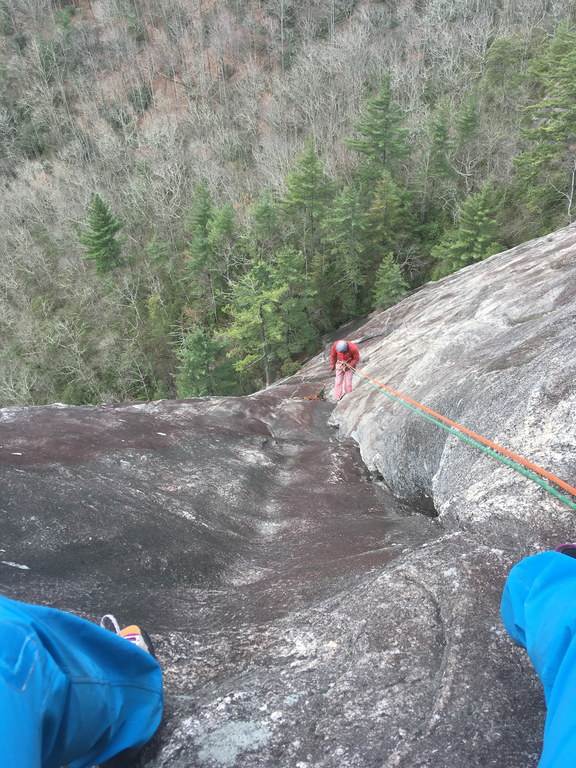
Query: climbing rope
point(527, 468)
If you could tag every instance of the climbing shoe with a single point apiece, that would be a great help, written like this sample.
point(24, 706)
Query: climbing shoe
point(569, 548)
point(128, 758)
point(132, 633)
point(131, 757)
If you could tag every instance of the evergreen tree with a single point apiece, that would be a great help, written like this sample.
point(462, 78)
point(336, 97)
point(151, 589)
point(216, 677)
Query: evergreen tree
point(433, 184)
point(100, 236)
point(298, 302)
point(212, 253)
point(505, 63)
point(390, 286)
point(548, 168)
point(163, 281)
point(264, 225)
point(385, 216)
point(197, 225)
point(308, 192)
point(386, 224)
point(156, 346)
point(222, 245)
point(157, 251)
point(203, 368)
point(470, 154)
point(475, 238)
point(383, 132)
point(269, 316)
point(467, 120)
point(256, 332)
point(345, 243)
point(441, 145)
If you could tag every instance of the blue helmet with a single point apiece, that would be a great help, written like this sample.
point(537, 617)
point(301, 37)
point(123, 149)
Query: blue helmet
point(342, 346)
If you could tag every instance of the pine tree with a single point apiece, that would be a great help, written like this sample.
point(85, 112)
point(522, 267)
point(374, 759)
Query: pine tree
point(298, 302)
point(100, 237)
point(222, 243)
point(386, 224)
point(441, 145)
point(384, 217)
point(548, 168)
point(197, 225)
point(155, 344)
point(269, 316)
point(256, 332)
point(383, 132)
point(505, 62)
point(390, 286)
point(264, 225)
point(157, 251)
point(308, 192)
point(202, 366)
point(212, 253)
point(475, 238)
point(467, 120)
point(344, 241)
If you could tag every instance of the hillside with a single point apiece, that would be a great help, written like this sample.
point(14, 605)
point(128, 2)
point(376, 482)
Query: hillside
point(173, 174)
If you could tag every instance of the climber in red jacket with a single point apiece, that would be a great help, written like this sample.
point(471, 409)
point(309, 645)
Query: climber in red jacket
point(343, 356)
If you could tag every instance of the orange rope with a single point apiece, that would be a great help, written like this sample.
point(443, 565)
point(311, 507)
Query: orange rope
point(489, 443)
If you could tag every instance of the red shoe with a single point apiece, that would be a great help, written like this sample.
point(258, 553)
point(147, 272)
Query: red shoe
point(132, 633)
point(569, 548)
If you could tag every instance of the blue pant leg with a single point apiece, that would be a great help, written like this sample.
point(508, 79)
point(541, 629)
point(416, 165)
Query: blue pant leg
point(25, 678)
point(71, 693)
point(539, 611)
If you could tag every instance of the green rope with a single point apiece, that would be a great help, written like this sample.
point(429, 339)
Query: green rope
point(504, 459)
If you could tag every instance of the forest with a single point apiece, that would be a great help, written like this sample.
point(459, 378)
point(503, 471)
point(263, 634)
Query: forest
point(194, 193)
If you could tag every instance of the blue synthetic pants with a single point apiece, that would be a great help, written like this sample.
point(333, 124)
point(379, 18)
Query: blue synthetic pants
point(539, 611)
point(71, 693)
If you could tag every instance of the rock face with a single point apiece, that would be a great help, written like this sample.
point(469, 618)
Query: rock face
point(322, 597)
point(491, 347)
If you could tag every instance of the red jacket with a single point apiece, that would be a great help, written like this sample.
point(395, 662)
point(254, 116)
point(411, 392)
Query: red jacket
point(351, 356)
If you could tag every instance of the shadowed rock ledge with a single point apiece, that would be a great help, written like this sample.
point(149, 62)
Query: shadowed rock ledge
point(305, 613)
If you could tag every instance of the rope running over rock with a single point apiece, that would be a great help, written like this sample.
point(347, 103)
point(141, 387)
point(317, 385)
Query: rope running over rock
point(527, 468)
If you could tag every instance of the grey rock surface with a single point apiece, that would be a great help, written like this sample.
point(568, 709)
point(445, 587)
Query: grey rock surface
point(491, 347)
point(323, 597)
